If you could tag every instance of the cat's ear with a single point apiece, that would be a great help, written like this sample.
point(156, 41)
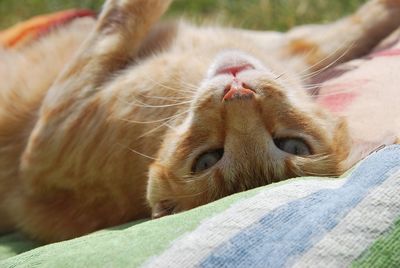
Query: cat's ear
point(359, 149)
point(160, 191)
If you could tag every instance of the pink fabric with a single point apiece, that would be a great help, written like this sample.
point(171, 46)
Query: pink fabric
point(367, 92)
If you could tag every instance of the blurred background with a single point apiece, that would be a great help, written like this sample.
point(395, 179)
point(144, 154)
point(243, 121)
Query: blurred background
point(253, 14)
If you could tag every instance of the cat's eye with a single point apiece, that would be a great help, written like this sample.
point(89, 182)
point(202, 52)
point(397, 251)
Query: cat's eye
point(293, 146)
point(207, 160)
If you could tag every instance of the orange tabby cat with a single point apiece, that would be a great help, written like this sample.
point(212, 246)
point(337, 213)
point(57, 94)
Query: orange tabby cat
point(187, 114)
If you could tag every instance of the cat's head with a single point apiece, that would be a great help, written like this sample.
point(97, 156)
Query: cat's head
point(247, 127)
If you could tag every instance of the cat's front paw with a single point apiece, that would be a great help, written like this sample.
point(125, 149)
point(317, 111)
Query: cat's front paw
point(119, 14)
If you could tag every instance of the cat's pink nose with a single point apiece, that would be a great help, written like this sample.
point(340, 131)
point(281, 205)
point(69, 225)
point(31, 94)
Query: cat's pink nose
point(237, 91)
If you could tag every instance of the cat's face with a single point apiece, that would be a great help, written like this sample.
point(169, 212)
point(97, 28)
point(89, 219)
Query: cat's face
point(247, 127)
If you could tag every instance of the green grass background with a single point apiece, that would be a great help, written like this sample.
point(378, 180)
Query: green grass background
point(253, 14)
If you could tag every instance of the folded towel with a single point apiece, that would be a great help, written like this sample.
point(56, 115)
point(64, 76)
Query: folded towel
point(25, 32)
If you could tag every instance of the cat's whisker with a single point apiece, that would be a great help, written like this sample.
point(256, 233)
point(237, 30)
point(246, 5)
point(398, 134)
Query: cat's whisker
point(314, 85)
point(137, 152)
point(323, 59)
point(170, 127)
point(179, 90)
point(183, 196)
point(192, 179)
point(313, 74)
point(156, 121)
point(333, 93)
point(146, 122)
point(314, 89)
point(194, 194)
point(146, 105)
point(163, 124)
point(167, 98)
point(154, 129)
point(142, 154)
point(194, 88)
point(279, 76)
point(186, 84)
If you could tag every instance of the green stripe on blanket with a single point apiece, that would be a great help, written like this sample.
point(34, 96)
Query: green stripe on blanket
point(383, 253)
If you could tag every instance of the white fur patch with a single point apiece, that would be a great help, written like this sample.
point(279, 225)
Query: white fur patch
point(233, 58)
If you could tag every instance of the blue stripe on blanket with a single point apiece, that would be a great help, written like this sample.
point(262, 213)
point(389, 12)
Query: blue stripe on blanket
point(290, 230)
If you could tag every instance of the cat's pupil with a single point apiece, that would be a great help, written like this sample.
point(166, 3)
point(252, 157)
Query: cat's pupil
point(293, 146)
point(207, 160)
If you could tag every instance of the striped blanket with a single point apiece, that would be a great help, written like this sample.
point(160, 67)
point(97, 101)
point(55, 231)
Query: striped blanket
point(305, 222)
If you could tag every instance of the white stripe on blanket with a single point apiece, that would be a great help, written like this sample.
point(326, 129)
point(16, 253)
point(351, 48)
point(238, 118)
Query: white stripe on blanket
point(196, 245)
point(363, 225)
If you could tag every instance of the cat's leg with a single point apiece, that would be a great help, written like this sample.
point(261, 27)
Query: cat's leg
point(317, 46)
point(76, 177)
point(120, 31)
